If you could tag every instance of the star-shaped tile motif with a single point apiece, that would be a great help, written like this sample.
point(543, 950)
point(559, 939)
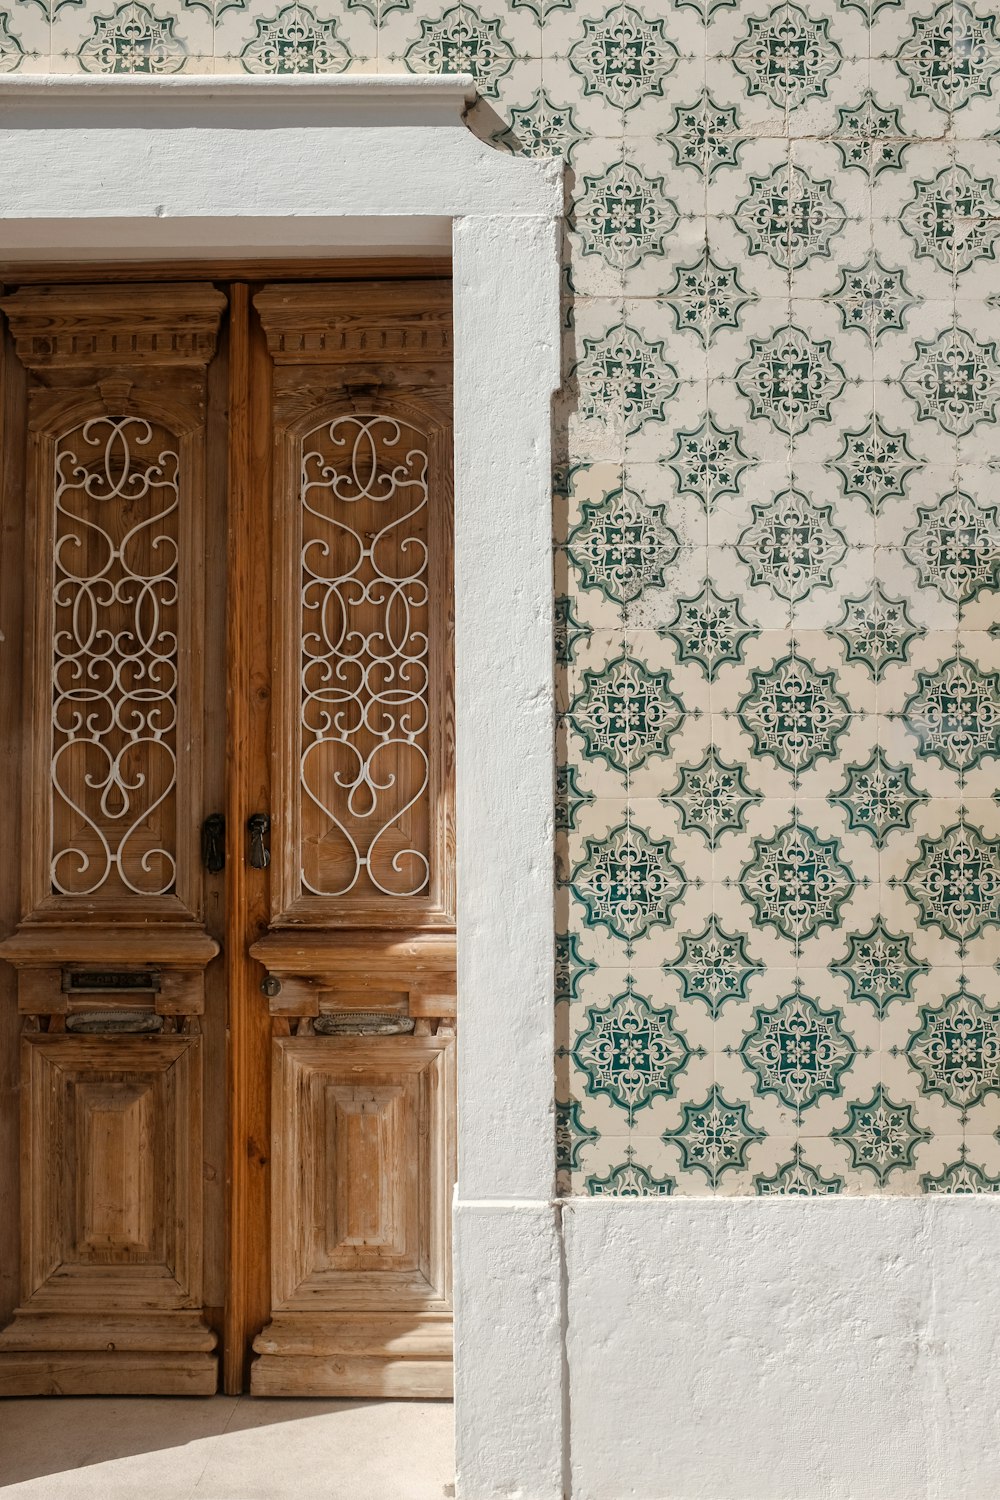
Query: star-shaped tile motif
point(876, 630)
point(706, 297)
point(881, 1135)
point(875, 463)
point(713, 1136)
point(704, 136)
point(708, 462)
point(870, 137)
point(872, 298)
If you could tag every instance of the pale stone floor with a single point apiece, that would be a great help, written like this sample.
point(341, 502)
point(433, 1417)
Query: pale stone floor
point(224, 1448)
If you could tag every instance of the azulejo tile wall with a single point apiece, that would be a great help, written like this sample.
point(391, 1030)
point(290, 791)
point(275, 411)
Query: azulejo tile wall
point(777, 554)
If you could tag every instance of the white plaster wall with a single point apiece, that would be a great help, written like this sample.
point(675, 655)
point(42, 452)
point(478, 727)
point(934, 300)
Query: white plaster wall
point(847, 1349)
point(508, 1364)
point(509, 1388)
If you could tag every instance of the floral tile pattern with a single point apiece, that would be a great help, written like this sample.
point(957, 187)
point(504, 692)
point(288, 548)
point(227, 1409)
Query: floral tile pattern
point(777, 554)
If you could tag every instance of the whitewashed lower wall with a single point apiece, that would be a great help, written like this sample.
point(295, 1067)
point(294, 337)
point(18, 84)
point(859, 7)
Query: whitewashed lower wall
point(746, 1350)
point(732, 1350)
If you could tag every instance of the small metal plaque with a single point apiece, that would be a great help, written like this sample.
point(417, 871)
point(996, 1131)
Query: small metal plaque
point(362, 1023)
point(104, 1021)
point(102, 981)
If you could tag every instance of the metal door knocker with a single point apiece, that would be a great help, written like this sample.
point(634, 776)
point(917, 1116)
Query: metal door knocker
point(259, 827)
point(213, 843)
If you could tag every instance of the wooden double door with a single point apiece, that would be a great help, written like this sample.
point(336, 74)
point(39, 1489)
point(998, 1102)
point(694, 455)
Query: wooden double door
point(227, 995)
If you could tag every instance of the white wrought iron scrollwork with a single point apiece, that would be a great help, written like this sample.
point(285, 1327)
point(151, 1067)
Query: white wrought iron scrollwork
point(365, 658)
point(114, 658)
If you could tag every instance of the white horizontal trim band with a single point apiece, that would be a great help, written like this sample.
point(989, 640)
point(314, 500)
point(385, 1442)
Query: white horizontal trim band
point(382, 90)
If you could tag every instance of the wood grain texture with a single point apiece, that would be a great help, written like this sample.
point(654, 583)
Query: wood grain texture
point(363, 638)
point(392, 1335)
point(362, 1128)
point(112, 1163)
point(386, 322)
point(374, 1378)
point(307, 268)
point(247, 895)
point(111, 1127)
point(353, 954)
point(12, 552)
point(230, 1171)
point(215, 1023)
point(116, 501)
point(97, 326)
point(108, 1374)
point(359, 1184)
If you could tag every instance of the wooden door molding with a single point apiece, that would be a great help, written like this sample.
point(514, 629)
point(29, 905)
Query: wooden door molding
point(361, 1281)
point(112, 945)
point(248, 710)
point(93, 326)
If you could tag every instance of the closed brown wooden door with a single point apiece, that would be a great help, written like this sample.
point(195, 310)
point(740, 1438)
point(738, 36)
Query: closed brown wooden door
point(227, 1014)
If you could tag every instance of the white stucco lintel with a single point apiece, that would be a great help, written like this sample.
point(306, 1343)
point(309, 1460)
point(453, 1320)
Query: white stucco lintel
point(90, 150)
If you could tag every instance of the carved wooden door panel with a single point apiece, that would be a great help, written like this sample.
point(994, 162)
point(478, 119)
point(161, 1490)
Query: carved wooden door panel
point(114, 934)
point(234, 1051)
point(359, 947)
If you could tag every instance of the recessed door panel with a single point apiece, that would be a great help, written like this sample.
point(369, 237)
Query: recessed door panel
point(356, 1123)
point(113, 1145)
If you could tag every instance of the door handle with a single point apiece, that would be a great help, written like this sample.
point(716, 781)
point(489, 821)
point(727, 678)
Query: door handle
point(213, 843)
point(259, 828)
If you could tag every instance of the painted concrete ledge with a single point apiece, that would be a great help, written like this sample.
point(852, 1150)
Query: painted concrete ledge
point(740, 1349)
point(414, 100)
point(379, 89)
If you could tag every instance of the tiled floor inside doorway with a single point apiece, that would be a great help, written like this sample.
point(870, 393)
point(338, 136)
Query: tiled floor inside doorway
point(224, 1448)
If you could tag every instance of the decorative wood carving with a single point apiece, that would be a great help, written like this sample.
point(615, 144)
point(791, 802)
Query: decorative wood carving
point(330, 323)
point(362, 909)
point(174, 323)
point(362, 633)
point(112, 903)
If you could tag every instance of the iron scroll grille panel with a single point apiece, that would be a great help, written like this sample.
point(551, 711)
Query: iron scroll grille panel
point(115, 599)
point(365, 659)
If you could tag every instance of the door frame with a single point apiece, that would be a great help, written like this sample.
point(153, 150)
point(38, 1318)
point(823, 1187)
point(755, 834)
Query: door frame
point(245, 169)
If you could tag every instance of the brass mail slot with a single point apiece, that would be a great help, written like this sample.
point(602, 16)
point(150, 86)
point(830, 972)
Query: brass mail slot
point(109, 1022)
point(362, 1023)
point(101, 981)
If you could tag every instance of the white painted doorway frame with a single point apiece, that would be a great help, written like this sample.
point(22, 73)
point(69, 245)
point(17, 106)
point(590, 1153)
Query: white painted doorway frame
point(212, 168)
